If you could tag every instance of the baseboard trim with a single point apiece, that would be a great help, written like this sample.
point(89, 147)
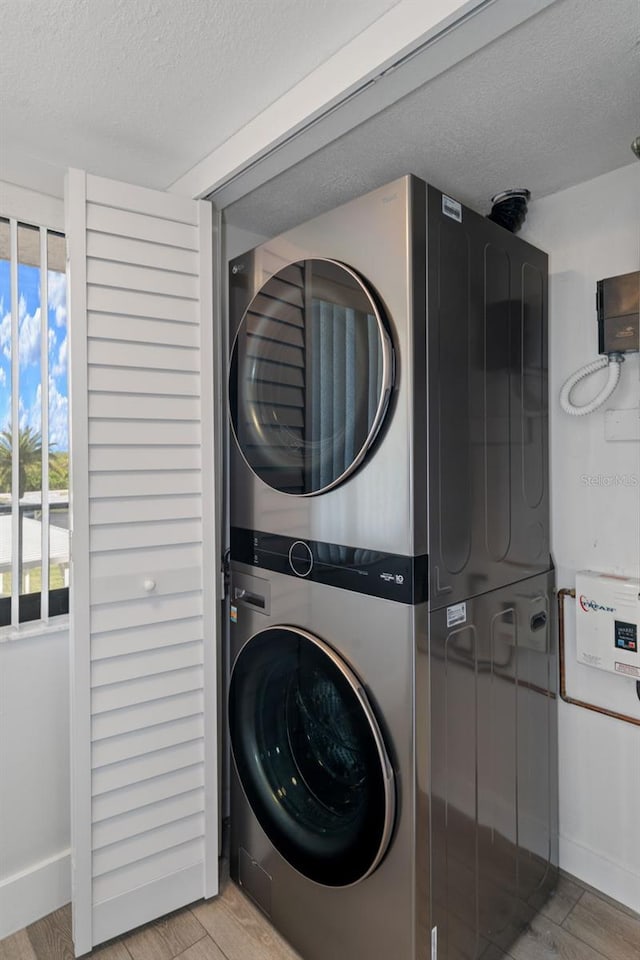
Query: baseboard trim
point(613, 879)
point(33, 893)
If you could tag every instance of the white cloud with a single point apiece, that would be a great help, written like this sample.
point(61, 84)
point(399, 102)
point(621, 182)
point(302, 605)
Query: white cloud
point(58, 417)
point(5, 335)
point(59, 368)
point(29, 333)
point(57, 295)
point(29, 418)
point(3, 377)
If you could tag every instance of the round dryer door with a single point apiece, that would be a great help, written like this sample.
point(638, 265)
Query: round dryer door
point(310, 756)
point(310, 378)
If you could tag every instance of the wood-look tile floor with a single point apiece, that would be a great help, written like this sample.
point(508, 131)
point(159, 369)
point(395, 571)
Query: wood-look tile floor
point(577, 923)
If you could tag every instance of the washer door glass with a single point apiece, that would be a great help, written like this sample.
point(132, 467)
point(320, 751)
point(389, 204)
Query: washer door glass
point(310, 756)
point(310, 377)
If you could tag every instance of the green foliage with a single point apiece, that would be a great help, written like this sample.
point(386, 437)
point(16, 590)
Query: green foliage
point(30, 463)
point(58, 471)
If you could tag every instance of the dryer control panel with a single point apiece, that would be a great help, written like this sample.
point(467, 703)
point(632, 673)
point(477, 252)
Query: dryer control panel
point(372, 572)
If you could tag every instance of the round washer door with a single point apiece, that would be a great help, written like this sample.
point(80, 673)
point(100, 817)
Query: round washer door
point(310, 756)
point(310, 377)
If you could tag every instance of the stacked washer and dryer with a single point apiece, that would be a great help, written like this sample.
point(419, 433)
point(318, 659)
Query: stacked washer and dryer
point(392, 706)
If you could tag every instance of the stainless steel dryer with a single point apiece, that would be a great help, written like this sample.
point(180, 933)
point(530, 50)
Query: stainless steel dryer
point(327, 371)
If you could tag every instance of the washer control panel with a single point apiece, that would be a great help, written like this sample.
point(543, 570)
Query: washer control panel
point(372, 572)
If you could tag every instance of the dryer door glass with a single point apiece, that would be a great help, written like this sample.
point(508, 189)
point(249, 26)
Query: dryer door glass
point(310, 377)
point(310, 756)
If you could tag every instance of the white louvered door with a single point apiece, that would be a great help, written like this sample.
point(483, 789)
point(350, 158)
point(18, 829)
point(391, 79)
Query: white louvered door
point(144, 556)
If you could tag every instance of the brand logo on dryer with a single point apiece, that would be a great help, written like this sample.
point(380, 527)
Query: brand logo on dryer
point(594, 607)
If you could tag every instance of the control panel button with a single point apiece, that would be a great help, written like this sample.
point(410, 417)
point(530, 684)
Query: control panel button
point(300, 558)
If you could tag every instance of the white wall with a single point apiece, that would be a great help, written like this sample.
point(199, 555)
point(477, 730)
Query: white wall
point(34, 778)
point(592, 231)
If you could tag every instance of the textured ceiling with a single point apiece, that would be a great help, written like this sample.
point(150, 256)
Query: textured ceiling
point(143, 89)
point(552, 103)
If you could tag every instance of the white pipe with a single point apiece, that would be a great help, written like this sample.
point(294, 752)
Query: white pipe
point(614, 362)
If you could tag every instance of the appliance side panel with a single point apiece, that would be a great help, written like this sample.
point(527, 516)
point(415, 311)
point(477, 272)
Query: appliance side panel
point(488, 417)
point(450, 325)
point(494, 759)
point(537, 735)
point(422, 794)
point(416, 256)
point(529, 411)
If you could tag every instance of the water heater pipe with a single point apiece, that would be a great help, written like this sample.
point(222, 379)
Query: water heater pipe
point(566, 592)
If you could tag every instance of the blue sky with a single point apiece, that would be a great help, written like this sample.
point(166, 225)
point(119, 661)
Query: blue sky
point(29, 352)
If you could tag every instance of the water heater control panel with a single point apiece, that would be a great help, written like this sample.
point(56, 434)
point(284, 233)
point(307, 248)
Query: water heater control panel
point(608, 622)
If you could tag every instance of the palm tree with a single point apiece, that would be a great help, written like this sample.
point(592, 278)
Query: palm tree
point(29, 454)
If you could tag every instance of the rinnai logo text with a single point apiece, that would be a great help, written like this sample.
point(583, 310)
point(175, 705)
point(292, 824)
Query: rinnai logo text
point(588, 605)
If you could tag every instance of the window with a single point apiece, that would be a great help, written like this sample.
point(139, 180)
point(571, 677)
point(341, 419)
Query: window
point(34, 424)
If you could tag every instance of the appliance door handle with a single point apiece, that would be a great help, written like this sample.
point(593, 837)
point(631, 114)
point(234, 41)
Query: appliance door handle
point(252, 599)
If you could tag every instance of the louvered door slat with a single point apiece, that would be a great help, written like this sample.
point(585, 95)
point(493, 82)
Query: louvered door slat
point(146, 663)
point(124, 826)
point(128, 406)
point(152, 457)
point(114, 643)
point(128, 772)
point(138, 483)
point(145, 753)
point(142, 432)
point(139, 562)
point(148, 844)
point(141, 795)
point(134, 613)
point(116, 885)
point(142, 716)
point(124, 223)
point(133, 535)
point(142, 742)
point(113, 326)
point(142, 381)
point(123, 353)
point(153, 508)
point(107, 273)
point(135, 304)
point(143, 253)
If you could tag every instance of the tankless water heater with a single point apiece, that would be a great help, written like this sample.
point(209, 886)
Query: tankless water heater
point(608, 622)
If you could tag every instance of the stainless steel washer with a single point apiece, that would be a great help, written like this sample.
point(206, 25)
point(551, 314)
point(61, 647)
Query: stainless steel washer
point(393, 774)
